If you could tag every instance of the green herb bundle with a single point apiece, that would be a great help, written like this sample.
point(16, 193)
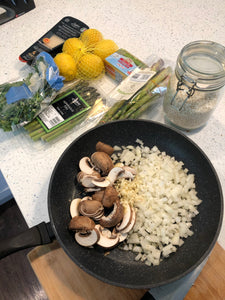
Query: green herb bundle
point(25, 110)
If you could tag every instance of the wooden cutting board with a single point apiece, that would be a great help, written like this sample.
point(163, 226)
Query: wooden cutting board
point(62, 279)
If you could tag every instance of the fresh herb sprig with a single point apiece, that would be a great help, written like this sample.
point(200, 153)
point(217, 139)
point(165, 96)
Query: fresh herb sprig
point(23, 110)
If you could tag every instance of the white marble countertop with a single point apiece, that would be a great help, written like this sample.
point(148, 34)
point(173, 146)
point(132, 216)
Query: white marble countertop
point(142, 27)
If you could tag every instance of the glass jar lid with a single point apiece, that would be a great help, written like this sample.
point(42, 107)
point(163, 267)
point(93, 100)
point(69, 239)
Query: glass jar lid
point(202, 63)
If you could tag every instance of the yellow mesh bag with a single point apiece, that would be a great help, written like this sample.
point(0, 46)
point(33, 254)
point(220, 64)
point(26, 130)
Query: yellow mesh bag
point(74, 47)
point(88, 52)
point(91, 37)
point(90, 66)
point(105, 48)
point(66, 65)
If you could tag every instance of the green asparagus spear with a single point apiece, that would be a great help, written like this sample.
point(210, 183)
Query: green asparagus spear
point(152, 83)
point(135, 106)
point(37, 136)
point(137, 113)
point(31, 125)
point(120, 112)
point(37, 132)
point(119, 108)
point(109, 114)
point(34, 127)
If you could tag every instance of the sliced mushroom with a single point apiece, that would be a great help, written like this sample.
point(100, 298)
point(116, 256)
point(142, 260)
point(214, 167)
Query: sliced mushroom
point(101, 182)
point(74, 207)
point(110, 179)
point(127, 217)
point(131, 224)
point(91, 208)
point(85, 165)
point(82, 224)
point(110, 196)
point(129, 169)
point(86, 179)
point(122, 236)
point(102, 161)
point(107, 239)
point(86, 198)
point(104, 148)
point(87, 240)
point(127, 173)
point(98, 216)
point(114, 173)
point(114, 217)
point(92, 189)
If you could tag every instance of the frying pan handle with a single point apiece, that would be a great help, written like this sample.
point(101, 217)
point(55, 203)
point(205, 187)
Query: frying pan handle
point(38, 235)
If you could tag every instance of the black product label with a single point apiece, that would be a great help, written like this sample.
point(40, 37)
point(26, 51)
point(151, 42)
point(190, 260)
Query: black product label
point(53, 40)
point(63, 110)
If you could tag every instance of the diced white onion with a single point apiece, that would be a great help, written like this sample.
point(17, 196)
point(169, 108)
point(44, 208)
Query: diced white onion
point(164, 197)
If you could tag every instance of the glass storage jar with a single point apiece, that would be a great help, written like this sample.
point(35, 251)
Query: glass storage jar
point(196, 84)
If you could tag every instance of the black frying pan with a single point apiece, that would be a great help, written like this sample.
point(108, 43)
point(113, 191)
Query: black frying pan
point(118, 267)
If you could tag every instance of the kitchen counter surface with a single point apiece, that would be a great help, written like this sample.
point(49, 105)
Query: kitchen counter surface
point(141, 27)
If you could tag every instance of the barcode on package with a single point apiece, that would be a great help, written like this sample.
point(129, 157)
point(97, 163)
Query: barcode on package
point(50, 117)
point(141, 77)
point(62, 110)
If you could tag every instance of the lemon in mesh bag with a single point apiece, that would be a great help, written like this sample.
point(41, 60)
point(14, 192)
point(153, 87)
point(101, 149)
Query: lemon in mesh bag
point(105, 48)
point(66, 65)
point(74, 47)
point(91, 37)
point(90, 66)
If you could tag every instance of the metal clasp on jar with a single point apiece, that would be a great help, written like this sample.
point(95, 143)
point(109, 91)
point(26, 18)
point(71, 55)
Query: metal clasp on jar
point(180, 87)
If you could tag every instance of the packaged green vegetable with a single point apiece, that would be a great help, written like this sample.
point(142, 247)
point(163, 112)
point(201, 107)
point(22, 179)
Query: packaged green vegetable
point(78, 105)
point(21, 101)
point(136, 94)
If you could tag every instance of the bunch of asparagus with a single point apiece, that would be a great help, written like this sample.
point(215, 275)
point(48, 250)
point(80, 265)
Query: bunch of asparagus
point(37, 132)
point(138, 104)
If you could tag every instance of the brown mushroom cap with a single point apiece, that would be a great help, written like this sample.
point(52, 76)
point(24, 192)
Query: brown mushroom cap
point(102, 161)
point(104, 148)
point(81, 223)
point(110, 196)
point(86, 179)
point(98, 196)
point(90, 207)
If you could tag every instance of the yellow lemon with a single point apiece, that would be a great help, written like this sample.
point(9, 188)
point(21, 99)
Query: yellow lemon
point(66, 65)
point(105, 48)
point(74, 47)
point(90, 37)
point(90, 66)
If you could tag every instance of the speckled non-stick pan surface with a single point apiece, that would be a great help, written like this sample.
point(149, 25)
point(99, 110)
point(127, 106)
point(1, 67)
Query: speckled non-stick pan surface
point(118, 267)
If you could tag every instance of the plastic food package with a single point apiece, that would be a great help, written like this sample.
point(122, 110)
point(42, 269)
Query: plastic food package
point(78, 104)
point(136, 94)
point(96, 105)
point(21, 101)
